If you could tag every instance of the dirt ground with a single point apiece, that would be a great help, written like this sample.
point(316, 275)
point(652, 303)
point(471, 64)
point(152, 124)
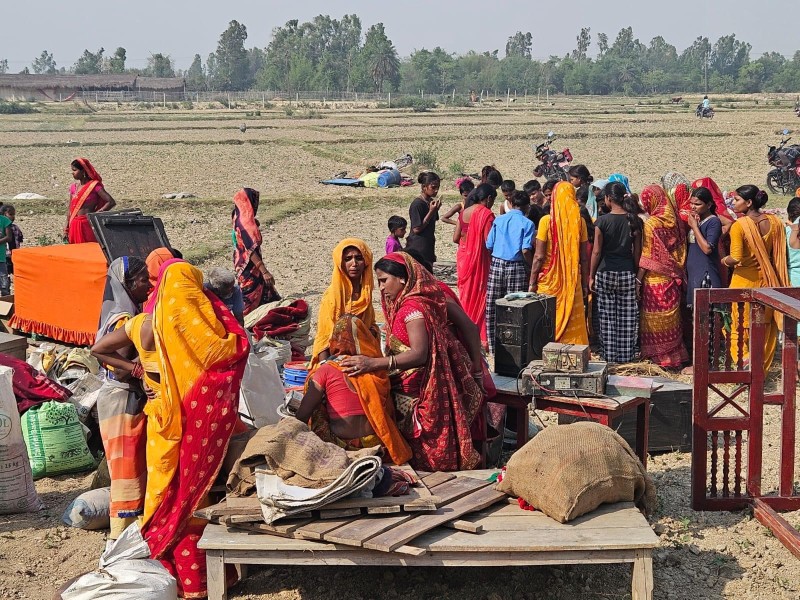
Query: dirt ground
point(142, 155)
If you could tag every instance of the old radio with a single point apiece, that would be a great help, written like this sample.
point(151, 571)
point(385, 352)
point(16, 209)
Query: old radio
point(522, 329)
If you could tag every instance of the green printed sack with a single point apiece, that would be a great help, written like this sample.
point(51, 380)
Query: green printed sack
point(55, 441)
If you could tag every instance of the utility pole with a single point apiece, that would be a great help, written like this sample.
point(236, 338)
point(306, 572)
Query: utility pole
point(705, 69)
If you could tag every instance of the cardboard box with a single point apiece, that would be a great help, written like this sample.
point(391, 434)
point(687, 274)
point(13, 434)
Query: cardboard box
point(6, 312)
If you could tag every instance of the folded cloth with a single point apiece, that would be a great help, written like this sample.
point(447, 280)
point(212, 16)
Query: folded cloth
point(295, 454)
point(278, 499)
point(281, 321)
point(31, 388)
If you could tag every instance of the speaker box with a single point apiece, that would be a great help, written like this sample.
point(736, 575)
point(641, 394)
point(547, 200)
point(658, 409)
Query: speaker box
point(522, 329)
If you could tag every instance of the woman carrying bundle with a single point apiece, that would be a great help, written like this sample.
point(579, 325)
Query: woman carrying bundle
point(561, 264)
point(758, 259)
point(90, 197)
point(662, 277)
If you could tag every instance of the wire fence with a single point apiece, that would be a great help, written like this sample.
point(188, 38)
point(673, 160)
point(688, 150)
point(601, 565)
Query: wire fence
point(228, 97)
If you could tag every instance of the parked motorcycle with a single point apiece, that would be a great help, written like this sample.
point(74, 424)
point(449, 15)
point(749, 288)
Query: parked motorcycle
point(552, 164)
point(704, 113)
point(785, 177)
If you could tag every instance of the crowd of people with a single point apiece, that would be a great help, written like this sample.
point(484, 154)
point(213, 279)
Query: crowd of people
point(622, 267)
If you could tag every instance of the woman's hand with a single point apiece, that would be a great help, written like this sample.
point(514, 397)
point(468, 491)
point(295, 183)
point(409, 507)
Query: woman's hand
point(692, 220)
point(149, 392)
point(478, 377)
point(591, 284)
point(638, 290)
point(434, 206)
point(269, 280)
point(359, 364)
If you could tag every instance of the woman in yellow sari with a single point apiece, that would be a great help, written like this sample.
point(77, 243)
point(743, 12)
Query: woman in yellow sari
point(561, 264)
point(662, 280)
point(350, 292)
point(758, 258)
point(202, 352)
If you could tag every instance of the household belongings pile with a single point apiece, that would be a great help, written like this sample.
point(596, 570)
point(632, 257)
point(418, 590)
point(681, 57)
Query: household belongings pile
point(385, 175)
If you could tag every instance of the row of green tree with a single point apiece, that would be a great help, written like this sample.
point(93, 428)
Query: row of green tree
point(328, 54)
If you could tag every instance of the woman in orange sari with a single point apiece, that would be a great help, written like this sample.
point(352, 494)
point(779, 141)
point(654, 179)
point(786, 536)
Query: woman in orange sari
point(758, 258)
point(472, 257)
point(561, 264)
point(662, 278)
point(90, 197)
point(350, 292)
point(358, 410)
point(202, 352)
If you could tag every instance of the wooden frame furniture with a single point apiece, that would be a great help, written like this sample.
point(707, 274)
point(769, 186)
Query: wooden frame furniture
point(614, 533)
point(602, 410)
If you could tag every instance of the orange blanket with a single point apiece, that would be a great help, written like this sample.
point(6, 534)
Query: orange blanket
point(58, 291)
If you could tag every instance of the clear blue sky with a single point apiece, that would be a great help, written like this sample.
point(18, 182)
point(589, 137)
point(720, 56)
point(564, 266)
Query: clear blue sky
point(182, 28)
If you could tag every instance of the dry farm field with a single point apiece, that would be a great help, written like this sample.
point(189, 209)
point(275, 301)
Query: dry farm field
point(143, 152)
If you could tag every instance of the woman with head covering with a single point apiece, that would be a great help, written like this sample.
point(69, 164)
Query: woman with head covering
point(256, 282)
point(358, 410)
point(662, 278)
point(758, 259)
point(436, 394)
point(561, 264)
point(90, 197)
point(350, 292)
point(679, 190)
point(120, 402)
point(202, 352)
point(157, 258)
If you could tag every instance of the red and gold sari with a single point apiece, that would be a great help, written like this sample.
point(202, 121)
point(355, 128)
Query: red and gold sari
point(202, 353)
point(79, 230)
point(438, 402)
point(664, 257)
point(472, 266)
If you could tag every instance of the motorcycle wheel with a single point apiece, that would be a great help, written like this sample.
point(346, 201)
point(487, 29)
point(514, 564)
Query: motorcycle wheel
point(775, 181)
point(559, 174)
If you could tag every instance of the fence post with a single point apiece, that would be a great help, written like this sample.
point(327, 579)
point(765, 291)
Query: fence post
point(508, 96)
point(263, 100)
point(96, 98)
point(390, 99)
point(454, 95)
point(165, 100)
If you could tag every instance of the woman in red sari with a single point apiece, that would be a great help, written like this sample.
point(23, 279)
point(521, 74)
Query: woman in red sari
point(437, 394)
point(202, 351)
point(472, 257)
point(90, 197)
point(255, 280)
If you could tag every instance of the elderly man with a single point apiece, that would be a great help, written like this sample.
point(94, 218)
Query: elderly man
point(222, 283)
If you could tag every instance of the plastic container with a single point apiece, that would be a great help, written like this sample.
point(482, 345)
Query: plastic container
point(295, 374)
point(389, 178)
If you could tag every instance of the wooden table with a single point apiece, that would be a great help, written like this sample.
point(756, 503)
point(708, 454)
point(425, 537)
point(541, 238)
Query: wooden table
point(602, 410)
point(614, 533)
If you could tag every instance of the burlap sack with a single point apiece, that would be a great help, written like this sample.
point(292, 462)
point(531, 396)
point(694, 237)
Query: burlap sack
point(295, 453)
point(569, 470)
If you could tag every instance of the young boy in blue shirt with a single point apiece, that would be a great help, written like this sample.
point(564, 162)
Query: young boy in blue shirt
point(511, 244)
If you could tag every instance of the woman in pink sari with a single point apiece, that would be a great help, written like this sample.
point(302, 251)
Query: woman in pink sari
point(90, 196)
point(472, 257)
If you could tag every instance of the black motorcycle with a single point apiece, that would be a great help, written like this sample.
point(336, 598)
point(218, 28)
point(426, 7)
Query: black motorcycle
point(552, 164)
point(785, 177)
point(704, 113)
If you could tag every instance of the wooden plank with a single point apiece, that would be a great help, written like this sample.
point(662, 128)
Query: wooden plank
point(233, 519)
point(457, 488)
point(642, 581)
point(316, 529)
point(779, 526)
point(461, 525)
point(357, 532)
point(339, 513)
point(477, 500)
point(215, 567)
point(285, 529)
point(434, 479)
point(411, 550)
point(385, 510)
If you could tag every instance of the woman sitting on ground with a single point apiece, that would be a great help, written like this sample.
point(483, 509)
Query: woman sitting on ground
point(436, 393)
point(119, 407)
point(350, 292)
point(222, 283)
point(358, 410)
point(256, 282)
point(90, 197)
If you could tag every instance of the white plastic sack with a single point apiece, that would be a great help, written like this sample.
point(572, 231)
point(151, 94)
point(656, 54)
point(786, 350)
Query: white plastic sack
point(90, 510)
point(262, 392)
point(125, 573)
point(17, 492)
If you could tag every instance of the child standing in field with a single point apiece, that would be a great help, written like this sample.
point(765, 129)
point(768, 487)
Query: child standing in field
point(511, 243)
point(397, 231)
point(424, 212)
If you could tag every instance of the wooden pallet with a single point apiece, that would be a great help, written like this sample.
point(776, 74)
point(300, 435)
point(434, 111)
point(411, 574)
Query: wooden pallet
point(455, 498)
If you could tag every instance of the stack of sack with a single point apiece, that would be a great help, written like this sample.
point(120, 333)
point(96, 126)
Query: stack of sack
point(293, 470)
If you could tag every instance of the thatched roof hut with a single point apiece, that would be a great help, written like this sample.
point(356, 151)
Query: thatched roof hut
point(61, 87)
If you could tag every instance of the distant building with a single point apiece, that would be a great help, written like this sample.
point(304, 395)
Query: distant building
point(58, 88)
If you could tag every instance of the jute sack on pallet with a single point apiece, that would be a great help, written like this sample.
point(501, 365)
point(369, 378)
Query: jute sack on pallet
point(569, 470)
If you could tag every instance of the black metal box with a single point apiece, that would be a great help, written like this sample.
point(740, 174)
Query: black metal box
point(522, 329)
